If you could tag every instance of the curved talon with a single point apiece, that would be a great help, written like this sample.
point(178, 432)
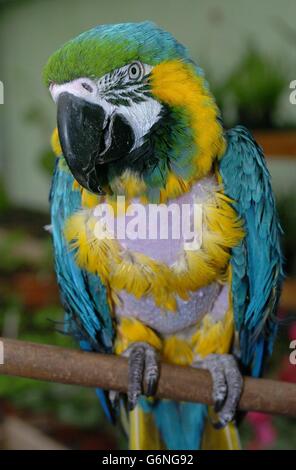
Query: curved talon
point(227, 385)
point(142, 367)
point(151, 371)
point(136, 365)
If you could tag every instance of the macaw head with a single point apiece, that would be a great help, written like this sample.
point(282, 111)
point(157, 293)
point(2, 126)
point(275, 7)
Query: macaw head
point(133, 110)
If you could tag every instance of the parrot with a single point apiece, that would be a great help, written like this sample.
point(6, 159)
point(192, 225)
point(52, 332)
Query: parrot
point(137, 123)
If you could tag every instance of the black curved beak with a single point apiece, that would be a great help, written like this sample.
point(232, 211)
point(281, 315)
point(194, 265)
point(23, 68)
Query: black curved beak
point(90, 140)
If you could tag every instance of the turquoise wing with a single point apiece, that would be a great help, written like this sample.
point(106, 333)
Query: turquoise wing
point(257, 263)
point(87, 313)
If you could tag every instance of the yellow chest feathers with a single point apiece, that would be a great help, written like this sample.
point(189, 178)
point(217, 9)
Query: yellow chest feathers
point(163, 268)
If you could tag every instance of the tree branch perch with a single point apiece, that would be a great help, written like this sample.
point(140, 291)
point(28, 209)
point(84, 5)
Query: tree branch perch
point(69, 366)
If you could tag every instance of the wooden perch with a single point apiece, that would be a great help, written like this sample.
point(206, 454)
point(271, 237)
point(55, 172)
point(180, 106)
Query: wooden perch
point(68, 366)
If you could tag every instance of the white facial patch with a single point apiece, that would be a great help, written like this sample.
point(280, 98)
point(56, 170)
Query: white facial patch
point(139, 108)
point(141, 116)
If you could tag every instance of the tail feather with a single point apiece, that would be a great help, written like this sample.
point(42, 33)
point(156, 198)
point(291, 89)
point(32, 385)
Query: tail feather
point(143, 433)
point(170, 425)
point(165, 424)
point(220, 439)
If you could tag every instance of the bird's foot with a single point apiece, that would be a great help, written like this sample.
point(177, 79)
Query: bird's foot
point(227, 385)
point(143, 368)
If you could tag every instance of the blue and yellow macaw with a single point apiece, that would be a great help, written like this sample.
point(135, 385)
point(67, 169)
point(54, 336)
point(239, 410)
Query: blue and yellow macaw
point(135, 118)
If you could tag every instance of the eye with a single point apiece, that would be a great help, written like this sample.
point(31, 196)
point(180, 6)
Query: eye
point(136, 71)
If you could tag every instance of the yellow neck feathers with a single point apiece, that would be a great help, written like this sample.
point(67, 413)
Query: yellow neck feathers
point(177, 84)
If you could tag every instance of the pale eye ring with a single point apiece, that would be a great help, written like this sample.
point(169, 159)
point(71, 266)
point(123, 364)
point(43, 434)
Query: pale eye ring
point(136, 71)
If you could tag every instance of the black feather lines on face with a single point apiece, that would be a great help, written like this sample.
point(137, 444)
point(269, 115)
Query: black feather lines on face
point(119, 90)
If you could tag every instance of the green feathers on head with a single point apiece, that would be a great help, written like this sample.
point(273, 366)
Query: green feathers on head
point(104, 48)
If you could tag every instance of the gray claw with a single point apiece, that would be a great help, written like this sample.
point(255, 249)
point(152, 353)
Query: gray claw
point(136, 365)
point(219, 405)
point(227, 385)
point(151, 371)
point(142, 366)
point(218, 424)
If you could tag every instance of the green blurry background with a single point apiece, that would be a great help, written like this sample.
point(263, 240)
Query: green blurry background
point(248, 50)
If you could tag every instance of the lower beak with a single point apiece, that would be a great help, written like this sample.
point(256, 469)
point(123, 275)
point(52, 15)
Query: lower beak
point(89, 141)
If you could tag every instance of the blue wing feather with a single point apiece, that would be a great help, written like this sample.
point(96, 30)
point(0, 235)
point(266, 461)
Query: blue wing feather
point(83, 295)
point(257, 270)
point(87, 314)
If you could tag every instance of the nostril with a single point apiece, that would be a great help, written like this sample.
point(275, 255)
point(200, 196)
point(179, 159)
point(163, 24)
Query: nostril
point(87, 87)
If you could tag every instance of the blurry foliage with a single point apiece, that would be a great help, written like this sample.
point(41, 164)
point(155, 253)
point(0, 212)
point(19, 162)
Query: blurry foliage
point(252, 90)
point(4, 203)
point(286, 436)
point(286, 208)
point(9, 262)
point(47, 161)
point(36, 117)
point(13, 258)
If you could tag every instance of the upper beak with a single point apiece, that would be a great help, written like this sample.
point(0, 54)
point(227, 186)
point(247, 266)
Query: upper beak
point(90, 140)
point(80, 126)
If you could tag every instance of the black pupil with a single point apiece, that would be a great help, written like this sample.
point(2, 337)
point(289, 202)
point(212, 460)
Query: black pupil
point(134, 70)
